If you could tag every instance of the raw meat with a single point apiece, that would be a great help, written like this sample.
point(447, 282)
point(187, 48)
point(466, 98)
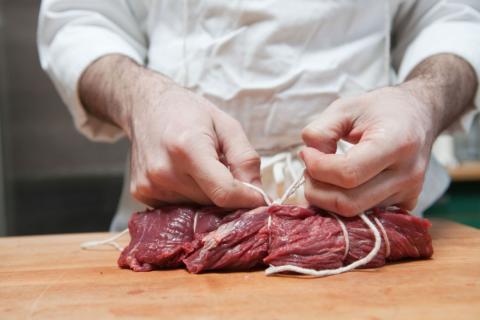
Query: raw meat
point(163, 237)
point(238, 244)
point(203, 239)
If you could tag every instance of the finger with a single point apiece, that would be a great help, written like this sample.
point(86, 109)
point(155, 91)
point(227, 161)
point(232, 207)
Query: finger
point(242, 160)
point(152, 203)
point(154, 198)
point(408, 204)
point(350, 202)
point(191, 190)
point(159, 183)
point(332, 125)
point(146, 189)
point(361, 163)
point(401, 200)
point(187, 188)
point(222, 188)
point(167, 178)
point(218, 183)
point(136, 167)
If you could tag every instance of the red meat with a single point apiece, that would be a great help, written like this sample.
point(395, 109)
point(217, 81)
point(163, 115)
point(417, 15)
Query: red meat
point(204, 239)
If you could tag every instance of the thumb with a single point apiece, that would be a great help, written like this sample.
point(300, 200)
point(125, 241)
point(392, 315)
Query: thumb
point(241, 158)
point(332, 125)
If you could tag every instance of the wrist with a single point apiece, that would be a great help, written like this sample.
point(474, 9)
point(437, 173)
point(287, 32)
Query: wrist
point(122, 93)
point(142, 92)
point(114, 87)
point(426, 104)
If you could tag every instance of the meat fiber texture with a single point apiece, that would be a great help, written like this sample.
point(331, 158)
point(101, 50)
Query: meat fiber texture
point(209, 238)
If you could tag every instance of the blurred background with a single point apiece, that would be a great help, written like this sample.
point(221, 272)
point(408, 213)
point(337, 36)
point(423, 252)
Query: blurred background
point(53, 180)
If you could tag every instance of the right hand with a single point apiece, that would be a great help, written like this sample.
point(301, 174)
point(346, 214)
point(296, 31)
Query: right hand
point(184, 149)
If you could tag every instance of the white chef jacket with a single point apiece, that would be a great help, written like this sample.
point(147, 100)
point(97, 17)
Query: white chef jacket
point(272, 65)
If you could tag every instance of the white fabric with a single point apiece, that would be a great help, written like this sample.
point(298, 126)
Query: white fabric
point(71, 35)
point(273, 65)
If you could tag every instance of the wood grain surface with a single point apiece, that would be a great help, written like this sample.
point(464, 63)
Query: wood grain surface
point(50, 277)
point(467, 171)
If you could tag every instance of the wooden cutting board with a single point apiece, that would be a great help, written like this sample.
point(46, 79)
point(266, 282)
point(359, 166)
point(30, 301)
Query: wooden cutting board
point(50, 277)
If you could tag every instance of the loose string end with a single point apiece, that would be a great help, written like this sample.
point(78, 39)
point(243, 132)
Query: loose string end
point(109, 241)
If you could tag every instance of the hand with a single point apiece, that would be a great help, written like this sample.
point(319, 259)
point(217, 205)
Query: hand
point(392, 131)
point(184, 149)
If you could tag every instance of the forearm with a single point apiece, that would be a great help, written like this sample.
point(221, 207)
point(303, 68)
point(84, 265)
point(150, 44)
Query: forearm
point(112, 85)
point(446, 84)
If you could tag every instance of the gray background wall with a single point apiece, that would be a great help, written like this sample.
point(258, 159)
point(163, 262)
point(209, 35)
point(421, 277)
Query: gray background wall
point(46, 161)
point(3, 213)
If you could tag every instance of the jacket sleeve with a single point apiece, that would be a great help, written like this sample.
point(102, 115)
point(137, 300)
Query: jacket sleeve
point(427, 27)
point(72, 34)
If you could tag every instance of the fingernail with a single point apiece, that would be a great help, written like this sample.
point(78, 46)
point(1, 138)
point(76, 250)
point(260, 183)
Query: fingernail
point(301, 155)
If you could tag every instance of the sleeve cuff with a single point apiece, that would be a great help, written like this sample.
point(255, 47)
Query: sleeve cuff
point(82, 47)
point(458, 38)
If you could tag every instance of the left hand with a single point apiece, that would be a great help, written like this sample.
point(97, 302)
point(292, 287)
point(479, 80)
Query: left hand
point(392, 130)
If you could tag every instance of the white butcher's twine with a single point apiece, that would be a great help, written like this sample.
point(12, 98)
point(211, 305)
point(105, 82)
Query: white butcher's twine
point(298, 182)
point(281, 159)
point(345, 233)
point(322, 273)
point(384, 233)
point(109, 241)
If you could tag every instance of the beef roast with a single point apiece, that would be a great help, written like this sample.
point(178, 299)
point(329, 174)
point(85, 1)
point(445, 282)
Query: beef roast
point(238, 244)
point(161, 237)
point(301, 237)
point(210, 238)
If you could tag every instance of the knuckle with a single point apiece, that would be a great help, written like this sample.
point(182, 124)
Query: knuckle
point(158, 173)
point(138, 190)
point(411, 204)
point(416, 189)
point(133, 189)
point(314, 168)
point(410, 144)
point(235, 123)
point(349, 176)
point(417, 181)
point(220, 196)
point(309, 193)
point(419, 172)
point(344, 206)
point(180, 144)
point(310, 196)
point(416, 177)
point(250, 158)
point(166, 195)
point(309, 134)
point(143, 190)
